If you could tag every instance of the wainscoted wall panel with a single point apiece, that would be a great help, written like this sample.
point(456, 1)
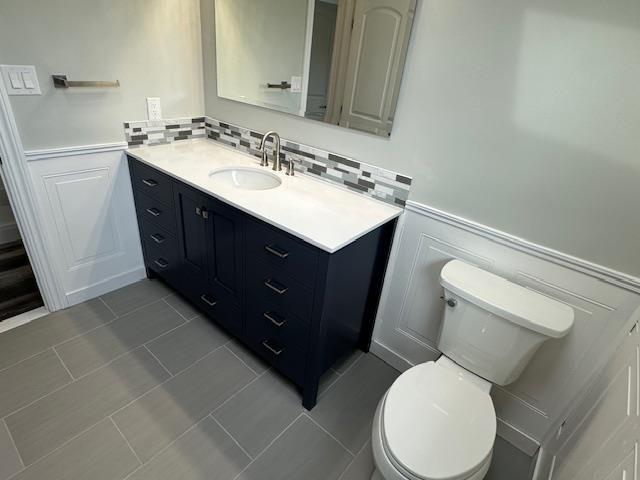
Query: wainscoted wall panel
point(409, 317)
point(599, 438)
point(88, 205)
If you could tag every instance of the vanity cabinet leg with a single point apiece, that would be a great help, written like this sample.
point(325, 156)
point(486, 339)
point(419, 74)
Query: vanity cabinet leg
point(310, 394)
point(150, 273)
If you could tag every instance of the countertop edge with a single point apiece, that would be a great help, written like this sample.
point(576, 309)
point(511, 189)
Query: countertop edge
point(326, 248)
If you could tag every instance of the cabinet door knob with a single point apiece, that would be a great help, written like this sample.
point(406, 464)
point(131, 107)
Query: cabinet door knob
point(211, 303)
point(161, 262)
point(154, 211)
point(273, 285)
point(274, 318)
point(205, 213)
point(199, 211)
point(275, 351)
point(150, 183)
point(156, 237)
point(277, 251)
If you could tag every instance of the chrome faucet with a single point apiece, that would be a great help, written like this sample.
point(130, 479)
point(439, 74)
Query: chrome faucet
point(276, 150)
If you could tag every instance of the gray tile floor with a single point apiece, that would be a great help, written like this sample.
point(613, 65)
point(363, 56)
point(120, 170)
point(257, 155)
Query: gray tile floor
point(136, 385)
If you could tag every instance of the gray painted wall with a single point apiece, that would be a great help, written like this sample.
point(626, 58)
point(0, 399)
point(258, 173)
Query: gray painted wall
point(152, 46)
point(522, 115)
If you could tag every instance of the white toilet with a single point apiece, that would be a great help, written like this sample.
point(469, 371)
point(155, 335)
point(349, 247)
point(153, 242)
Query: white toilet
point(437, 421)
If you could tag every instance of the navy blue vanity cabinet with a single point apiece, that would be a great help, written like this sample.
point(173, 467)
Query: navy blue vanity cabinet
point(153, 194)
point(210, 252)
point(298, 307)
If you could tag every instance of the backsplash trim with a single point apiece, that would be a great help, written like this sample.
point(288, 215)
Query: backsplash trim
point(379, 183)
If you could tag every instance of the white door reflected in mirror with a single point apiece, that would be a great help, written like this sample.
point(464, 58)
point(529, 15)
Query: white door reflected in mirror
point(336, 61)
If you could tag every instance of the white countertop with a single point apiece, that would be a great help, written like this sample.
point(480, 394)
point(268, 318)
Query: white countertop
point(324, 215)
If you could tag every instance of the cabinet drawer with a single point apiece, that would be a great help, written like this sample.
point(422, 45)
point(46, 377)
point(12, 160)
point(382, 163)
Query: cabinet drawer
point(288, 360)
point(225, 312)
point(287, 330)
point(151, 182)
point(162, 258)
point(264, 283)
point(280, 251)
point(155, 212)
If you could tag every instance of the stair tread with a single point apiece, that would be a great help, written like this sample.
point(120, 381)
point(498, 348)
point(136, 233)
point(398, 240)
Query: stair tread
point(20, 304)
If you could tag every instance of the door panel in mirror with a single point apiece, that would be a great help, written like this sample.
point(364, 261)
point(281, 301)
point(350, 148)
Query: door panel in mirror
point(336, 61)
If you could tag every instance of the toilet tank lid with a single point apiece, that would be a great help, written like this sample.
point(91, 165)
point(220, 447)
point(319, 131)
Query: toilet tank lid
point(509, 300)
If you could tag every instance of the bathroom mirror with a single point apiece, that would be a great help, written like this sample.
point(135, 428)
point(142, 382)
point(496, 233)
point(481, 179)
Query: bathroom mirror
point(336, 61)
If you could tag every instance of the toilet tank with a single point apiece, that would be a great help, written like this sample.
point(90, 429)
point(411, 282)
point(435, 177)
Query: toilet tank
point(492, 326)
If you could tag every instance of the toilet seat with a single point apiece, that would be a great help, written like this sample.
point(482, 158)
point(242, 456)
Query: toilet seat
point(436, 425)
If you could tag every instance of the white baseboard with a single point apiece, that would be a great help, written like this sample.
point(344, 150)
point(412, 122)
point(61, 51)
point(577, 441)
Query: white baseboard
point(389, 356)
point(106, 286)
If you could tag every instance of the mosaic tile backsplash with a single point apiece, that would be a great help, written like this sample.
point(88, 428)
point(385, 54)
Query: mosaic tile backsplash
point(159, 132)
point(379, 183)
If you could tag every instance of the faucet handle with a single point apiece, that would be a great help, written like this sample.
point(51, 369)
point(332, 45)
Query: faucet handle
point(265, 159)
point(291, 167)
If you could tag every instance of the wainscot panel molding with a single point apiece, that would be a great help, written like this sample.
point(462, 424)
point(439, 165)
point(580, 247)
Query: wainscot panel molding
point(86, 197)
point(409, 317)
point(48, 153)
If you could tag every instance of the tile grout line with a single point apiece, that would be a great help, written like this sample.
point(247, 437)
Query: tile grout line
point(63, 364)
point(157, 360)
point(104, 418)
point(151, 459)
point(74, 380)
point(48, 454)
point(268, 446)
point(186, 320)
point(13, 442)
point(107, 305)
point(126, 441)
point(341, 375)
point(237, 393)
point(78, 334)
point(38, 399)
point(232, 437)
point(328, 433)
point(353, 460)
point(243, 362)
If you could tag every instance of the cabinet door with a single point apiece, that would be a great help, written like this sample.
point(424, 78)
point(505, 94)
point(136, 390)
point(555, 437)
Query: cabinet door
point(224, 249)
point(192, 234)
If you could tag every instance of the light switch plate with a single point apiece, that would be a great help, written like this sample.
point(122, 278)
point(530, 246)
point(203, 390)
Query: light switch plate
point(20, 79)
point(296, 84)
point(154, 111)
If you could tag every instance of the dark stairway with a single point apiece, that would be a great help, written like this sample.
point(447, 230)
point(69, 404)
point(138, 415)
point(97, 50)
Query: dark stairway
point(18, 289)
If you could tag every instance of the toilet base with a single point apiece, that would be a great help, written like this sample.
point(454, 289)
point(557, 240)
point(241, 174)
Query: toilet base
point(385, 468)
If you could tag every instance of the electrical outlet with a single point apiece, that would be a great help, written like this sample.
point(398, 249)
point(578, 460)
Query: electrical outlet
point(153, 108)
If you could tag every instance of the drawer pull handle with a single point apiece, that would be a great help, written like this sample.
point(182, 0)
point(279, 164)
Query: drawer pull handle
point(154, 211)
point(150, 183)
point(280, 290)
point(278, 252)
point(156, 237)
point(275, 351)
point(211, 303)
point(272, 318)
point(161, 262)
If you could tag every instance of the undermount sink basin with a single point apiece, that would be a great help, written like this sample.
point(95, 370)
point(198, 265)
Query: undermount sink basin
point(246, 178)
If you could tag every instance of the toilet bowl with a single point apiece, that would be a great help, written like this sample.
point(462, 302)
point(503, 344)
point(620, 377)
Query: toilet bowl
point(434, 424)
point(437, 420)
